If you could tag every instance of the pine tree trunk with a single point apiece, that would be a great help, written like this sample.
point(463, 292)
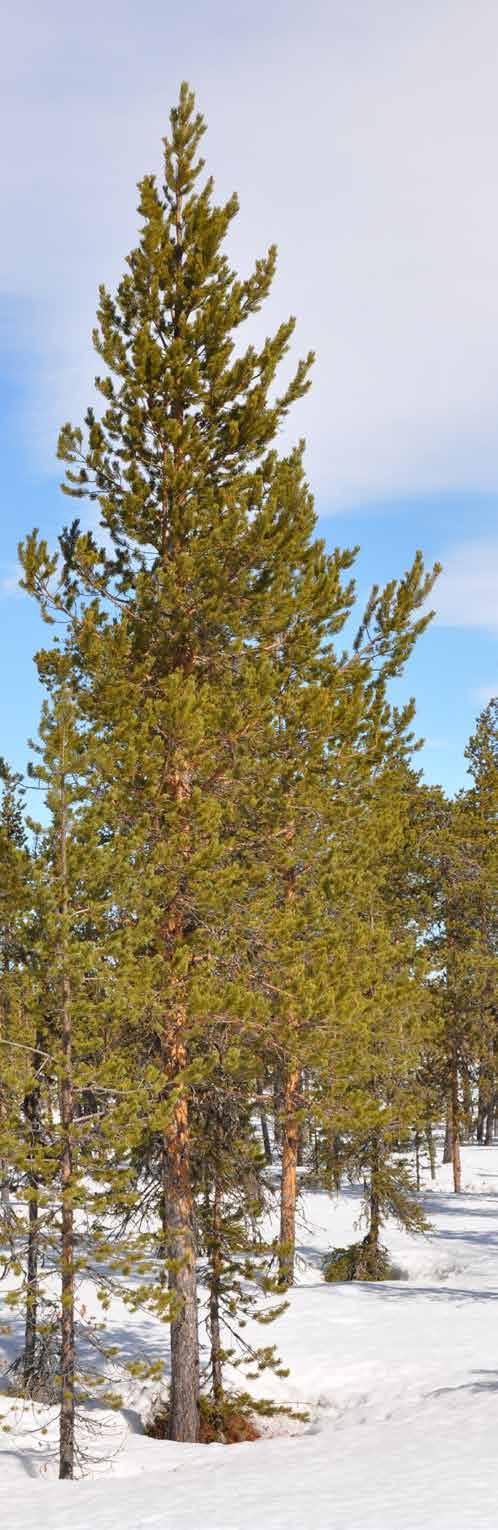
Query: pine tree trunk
point(30, 1330)
point(33, 1114)
point(455, 1130)
point(66, 1440)
point(67, 1360)
point(335, 1159)
point(490, 1122)
point(66, 1458)
point(4, 1179)
point(431, 1150)
point(214, 1297)
point(302, 1144)
point(486, 1098)
point(481, 1117)
point(5, 1192)
point(466, 1112)
point(448, 1138)
point(278, 1105)
point(304, 1125)
point(417, 1159)
point(288, 1192)
point(179, 1207)
point(291, 1082)
point(374, 1234)
point(265, 1135)
point(372, 1239)
point(182, 1273)
point(4, 1167)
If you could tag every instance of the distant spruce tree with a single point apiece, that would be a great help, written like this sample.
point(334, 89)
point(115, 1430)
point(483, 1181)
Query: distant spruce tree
point(367, 1082)
point(465, 928)
point(482, 804)
point(327, 780)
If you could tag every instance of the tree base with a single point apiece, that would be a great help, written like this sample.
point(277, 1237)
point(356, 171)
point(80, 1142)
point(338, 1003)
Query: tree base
point(360, 1261)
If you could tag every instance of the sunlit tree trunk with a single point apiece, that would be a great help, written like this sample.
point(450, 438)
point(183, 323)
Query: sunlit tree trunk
point(431, 1150)
point(67, 1361)
point(290, 1147)
point(455, 1129)
point(32, 1110)
point(448, 1137)
point(179, 1217)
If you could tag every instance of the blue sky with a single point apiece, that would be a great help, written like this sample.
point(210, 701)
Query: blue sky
point(360, 137)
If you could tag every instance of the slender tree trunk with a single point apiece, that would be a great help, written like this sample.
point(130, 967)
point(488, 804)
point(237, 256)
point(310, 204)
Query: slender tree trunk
point(374, 1214)
point(288, 1194)
point(182, 1273)
point(4, 1166)
point(214, 1296)
point(455, 1130)
point(481, 1117)
point(466, 1112)
point(304, 1124)
point(487, 1097)
point(302, 1143)
point(30, 1330)
point(431, 1150)
point(214, 1325)
point(66, 1466)
point(490, 1123)
point(179, 1207)
point(67, 1362)
point(417, 1159)
point(278, 1105)
point(33, 1113)
point(5, 1193)
point(372, 1239)
point(448, 1137)
point(265, 1135)
point(4, 1178)
point(335, 1159)
point(291, 1088)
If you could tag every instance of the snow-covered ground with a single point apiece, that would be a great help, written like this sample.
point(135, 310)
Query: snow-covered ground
point(400, 1379)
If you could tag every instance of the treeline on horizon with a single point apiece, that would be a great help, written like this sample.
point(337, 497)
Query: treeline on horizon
point(248, 936)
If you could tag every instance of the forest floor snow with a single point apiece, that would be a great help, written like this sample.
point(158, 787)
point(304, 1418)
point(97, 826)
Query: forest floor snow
point(400, 1380)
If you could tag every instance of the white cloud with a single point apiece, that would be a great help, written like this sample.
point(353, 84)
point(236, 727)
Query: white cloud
point(362, 138)
point(482, 694)
point(466, 594)
point(9, 581)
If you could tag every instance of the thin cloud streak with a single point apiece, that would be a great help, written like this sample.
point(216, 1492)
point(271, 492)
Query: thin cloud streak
point(9, 581)
point(466, 595)
point(483, 694)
